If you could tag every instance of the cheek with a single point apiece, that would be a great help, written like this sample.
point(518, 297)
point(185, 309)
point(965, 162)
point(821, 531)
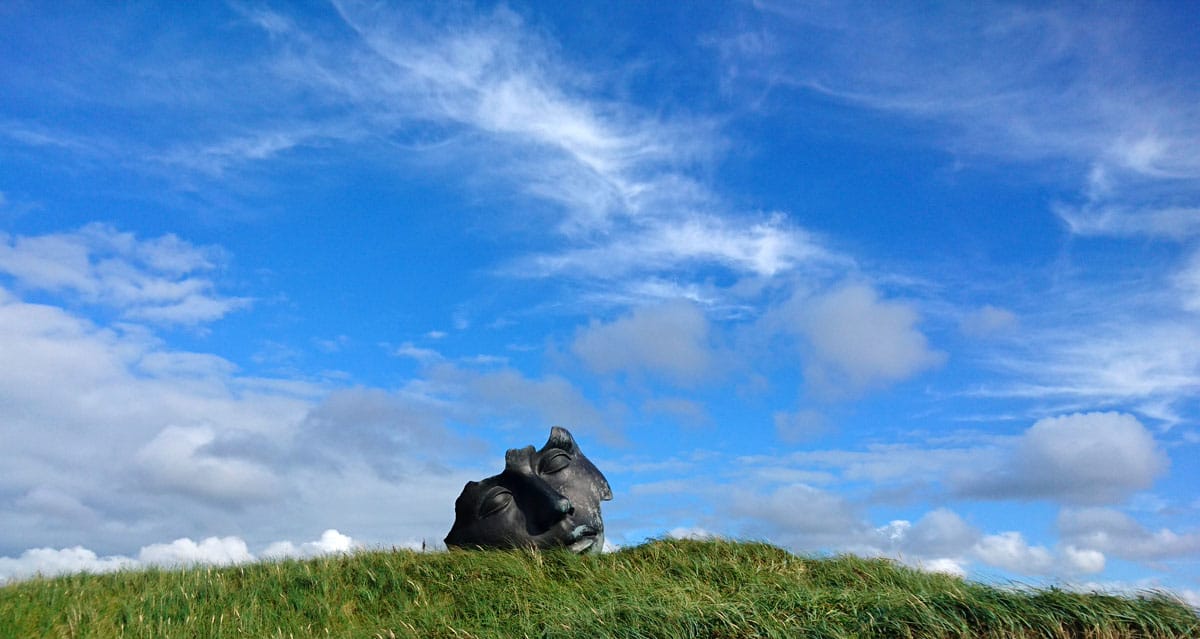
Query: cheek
point(509, 522)
point(565, 481)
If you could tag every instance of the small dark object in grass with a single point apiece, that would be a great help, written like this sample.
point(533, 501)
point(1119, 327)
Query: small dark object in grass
point(547, 498)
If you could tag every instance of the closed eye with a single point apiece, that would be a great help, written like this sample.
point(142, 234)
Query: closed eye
point(495, 501)
point(553, 462)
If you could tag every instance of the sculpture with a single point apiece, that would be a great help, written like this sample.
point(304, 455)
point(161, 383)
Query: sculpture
point(543, 499)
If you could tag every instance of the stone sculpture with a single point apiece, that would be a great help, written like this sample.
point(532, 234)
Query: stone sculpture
point(547, 498)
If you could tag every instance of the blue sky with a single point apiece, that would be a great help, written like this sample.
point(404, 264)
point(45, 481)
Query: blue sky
point(895, 280)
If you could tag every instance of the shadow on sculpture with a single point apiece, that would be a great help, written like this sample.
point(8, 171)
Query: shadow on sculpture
point(547, 498)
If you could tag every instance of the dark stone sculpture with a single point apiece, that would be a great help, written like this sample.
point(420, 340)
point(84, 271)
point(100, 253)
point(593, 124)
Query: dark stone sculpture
point(544, 499)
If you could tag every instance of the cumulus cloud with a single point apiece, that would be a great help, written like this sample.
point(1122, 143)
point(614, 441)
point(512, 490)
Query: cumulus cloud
point(1010, 551)
point(671, 340)
point(1115, 533)
point(220, 551)
point(175, 460)
point(164, 442)
point(798, 515)
point(1083, 458)
point(398, 435)
point(331, 542)
point(138, 416)
point(159, 280)
point(183, 552)
point(1084, 561)
point(942, 541)
point(167, 442)
point(691, 532)
point(494, 396)
point(857, 340)
point(938, 533)
point(50, 562)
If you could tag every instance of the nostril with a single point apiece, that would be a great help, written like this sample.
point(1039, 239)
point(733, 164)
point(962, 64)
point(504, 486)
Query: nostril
point(565, 506)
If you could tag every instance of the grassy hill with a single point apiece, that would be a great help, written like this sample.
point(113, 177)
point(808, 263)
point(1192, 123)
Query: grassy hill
point(660, 589)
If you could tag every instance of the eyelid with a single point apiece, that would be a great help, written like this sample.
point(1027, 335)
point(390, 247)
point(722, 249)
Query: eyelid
point(494, 501)
point(554, 462)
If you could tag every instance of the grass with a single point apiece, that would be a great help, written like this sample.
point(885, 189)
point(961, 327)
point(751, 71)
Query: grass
point(664, 589)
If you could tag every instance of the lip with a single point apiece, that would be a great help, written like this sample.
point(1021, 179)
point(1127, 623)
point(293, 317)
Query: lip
point(585, 537)
point(583, 545)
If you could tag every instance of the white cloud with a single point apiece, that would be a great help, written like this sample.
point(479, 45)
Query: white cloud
point(331, 542)
point(798, 515)
point(1084, 458)
point(219, 551)
point(1073, 92)
point(1010, 551)
point(944, 565)
point(799, 425)
point(939, 533)
point(691, 532)
point(988, 321)
point(423, 355)
point(1115, 533)
point(1190, 597)
point(1084, 561)
point(1010, 81)
point(113, 437)
point(1171, 223)
point(49, 562)
point(859, 341)
point(175, 460)
point(763, 248)
point(1187, 282)
point(111, 393)
point(671, 340)
point(157, 279)
point(183, 552)
point(483, 397)
point(942, 541)
point(1078, 458)
point(1144, 359)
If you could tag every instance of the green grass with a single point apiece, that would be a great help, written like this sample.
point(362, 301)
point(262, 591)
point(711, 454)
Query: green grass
point(659, 589)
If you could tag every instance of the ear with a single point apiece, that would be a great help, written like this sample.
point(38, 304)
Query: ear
point(561, 438)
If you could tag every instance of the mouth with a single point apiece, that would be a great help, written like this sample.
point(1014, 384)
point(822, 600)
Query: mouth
point(585, 537)
point(582, 546)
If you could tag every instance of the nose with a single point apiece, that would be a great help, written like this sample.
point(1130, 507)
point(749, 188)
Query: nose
point(548, 505)
point(549, 498)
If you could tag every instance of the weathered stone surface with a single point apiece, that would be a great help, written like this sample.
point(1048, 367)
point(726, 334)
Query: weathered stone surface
point(544, 498)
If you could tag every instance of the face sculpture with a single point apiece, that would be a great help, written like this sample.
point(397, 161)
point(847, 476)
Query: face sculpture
point(547, 498)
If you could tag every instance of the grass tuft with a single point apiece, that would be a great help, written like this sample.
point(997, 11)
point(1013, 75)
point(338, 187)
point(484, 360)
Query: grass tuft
point(662, 589)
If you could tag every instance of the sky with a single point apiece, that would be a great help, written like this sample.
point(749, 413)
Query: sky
point(894, 279)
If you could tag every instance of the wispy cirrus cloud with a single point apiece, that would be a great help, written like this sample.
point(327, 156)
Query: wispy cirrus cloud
point(1150, 368)
point(1089, 98)
point(1090, 103)
point(1014, 81)
point(618, 190)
